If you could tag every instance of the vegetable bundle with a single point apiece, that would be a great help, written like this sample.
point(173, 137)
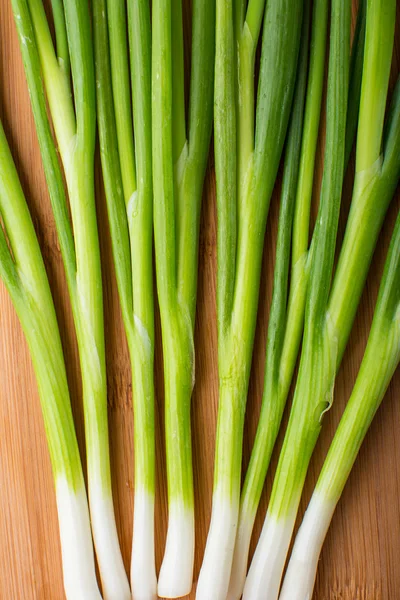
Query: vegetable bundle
point(381, 358)
point(289, 294)
point(72, 107)
point(330, 309)
point(119, 66)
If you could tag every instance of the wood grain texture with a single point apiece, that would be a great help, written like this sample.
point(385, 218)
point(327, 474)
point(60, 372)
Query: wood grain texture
point(360, 557)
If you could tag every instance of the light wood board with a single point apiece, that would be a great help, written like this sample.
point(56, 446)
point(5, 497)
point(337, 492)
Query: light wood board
point(360, 557)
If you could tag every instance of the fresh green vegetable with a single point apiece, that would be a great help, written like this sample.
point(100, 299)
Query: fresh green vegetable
point(180, 152)
point(382, 355)
point(248, 147)
point(124, 118)
point(24, 275)
point(287, 310)
point(73, 114)
point(330, 309)
point(273, 402)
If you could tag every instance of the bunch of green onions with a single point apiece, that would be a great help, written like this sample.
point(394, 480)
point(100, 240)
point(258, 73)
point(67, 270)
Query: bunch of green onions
point(72, 107)
point(154, 158)
point(381, 358)
point(286, 313)
point(289, 297)
point(330, 309)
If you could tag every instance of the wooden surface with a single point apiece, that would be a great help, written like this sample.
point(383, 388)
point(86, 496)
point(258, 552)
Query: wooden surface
point(360, 557)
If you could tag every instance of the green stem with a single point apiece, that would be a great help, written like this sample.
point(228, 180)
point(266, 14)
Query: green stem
point(120, 77)
point(377, 55)
point(239, 14)
point(280, 38)
point(382, 355)
point(225, 128)
point(371, 198)
point(273, 398)
point(179, 161)
point(246, 162)
point(310, 133)
point(61, 36)
point(111, 160)
point(319, 354)
point(140, 215)
point(23, 272)
point(79, 168)
point(178, 391)
point(247, 41)
point(56, 79)
point(178, 80)
point(163, 168)
point(391, 139)
point(229, 439)
point(301, 254)
point(254, 15)
point(131, 227)
point(132, 257)
point(300, 242)
point(51, 165)
point(24, 275)
point(375, 180)
point(190, 186)
point(177, 212)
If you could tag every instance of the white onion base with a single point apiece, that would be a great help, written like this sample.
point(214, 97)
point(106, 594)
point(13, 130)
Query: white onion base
point(240, 557)
point(265, 574)
point(302, 569)
point(113, 577)
point(216, 569)
point(76, 543)
point(143, 569)
point(176, 574)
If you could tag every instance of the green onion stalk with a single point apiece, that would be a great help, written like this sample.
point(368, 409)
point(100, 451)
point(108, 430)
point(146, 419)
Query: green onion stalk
point(248, 146)
point(72, 107)
point(23, 272)
point(124, 120)
point(287, 309)
point(301, 143)
point(180, 151)
point(382, 355)
point(330, 309)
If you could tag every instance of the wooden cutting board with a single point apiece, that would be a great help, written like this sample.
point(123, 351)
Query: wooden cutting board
point(360, 557)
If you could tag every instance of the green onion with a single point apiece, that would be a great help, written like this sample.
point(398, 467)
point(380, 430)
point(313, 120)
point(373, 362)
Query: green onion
point(248, 147)
point(74, 121)
point(274, 396)
point(382, 355)
point(287, 311)
point(128, 185)
point(180, 150)
point(23, 272)
point(330, 309)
